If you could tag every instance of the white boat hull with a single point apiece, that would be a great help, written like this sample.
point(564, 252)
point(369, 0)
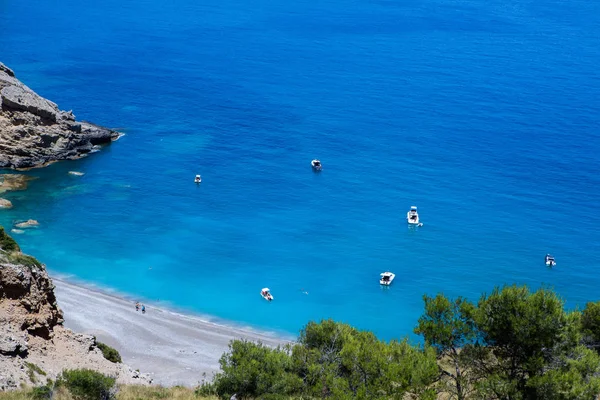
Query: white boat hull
point(388, 281)
point(412, 217)
point(268, 297)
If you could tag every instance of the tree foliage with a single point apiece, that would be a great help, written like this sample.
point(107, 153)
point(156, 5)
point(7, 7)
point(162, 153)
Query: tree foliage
point(330, 360)
point(513, 344)
point(590, 324)
point(448, 326)
point(251, 369)
point(526, 333)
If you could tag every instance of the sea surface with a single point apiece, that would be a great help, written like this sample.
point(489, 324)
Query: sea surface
point(484, 114)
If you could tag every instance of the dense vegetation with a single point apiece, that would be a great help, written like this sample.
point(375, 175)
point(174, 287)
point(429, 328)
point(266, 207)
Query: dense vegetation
point(511, 344)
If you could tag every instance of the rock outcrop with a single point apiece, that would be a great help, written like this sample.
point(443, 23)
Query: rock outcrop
point(32, 335)
point(30, 223)
point(34, 131)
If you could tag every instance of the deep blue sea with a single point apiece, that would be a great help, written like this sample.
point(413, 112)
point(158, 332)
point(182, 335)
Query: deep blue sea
point(484, 114)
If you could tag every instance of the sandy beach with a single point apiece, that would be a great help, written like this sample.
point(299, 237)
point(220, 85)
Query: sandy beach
point(174, 349)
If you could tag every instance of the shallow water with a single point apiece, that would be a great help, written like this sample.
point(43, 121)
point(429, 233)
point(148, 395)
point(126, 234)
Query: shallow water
point(485, 115)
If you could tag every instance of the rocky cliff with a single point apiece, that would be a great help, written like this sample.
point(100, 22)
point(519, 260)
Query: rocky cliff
point(34, 132)
point(34, 345)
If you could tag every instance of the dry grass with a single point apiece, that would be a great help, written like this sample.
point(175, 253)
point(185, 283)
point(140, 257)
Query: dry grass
point(25, 394)
point(16, 395)
point(134, 392)
point(127, 392)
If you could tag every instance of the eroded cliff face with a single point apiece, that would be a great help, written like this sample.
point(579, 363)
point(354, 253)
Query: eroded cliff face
point(28, 300)
point(31, 330)
point(34, 132)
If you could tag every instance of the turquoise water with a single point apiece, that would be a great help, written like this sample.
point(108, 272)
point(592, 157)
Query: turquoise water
point(485, 115)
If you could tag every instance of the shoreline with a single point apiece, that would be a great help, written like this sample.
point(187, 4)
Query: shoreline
point(169, 307)
point(174, 348)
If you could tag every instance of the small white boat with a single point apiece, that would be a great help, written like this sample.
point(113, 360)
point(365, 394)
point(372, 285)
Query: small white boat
point(549, 260)
point(387, 278)
point(266, 294)
point(412, 216)
point(198, 179)
point(316, 165)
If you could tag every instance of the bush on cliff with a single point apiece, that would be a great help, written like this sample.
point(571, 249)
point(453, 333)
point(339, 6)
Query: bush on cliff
point(109, 353)
point(86, 384)
point(7, 243)
point(11, 250)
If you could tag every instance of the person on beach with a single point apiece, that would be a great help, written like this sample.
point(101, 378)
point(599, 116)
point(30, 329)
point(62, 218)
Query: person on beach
point(143, 309)
point(137, 306)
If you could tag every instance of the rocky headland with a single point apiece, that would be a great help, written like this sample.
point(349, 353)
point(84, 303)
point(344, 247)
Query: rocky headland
point(35, 132)
point(34, 344)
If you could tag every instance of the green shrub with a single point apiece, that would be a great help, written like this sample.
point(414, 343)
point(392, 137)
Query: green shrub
point(109, 353)
point(7, 243)
point(85, 384)
point(41, 393)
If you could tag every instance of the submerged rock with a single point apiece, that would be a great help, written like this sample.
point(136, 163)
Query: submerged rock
point(5, 203)
point(10, 182)
point(30, 223)
point(17, 231)
point(35, 132)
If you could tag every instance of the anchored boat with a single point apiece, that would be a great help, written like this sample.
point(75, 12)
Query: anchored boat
point(387, 278)
point(316, 165)
point(550, 261)
point(412, 216)
point(266, 294)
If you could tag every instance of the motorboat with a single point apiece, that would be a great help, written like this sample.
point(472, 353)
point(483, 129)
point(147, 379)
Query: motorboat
point(266, 294)
point(198, 179)
point(387, 278)
point(316, 165)
point(412, 216)
point(550, 261)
